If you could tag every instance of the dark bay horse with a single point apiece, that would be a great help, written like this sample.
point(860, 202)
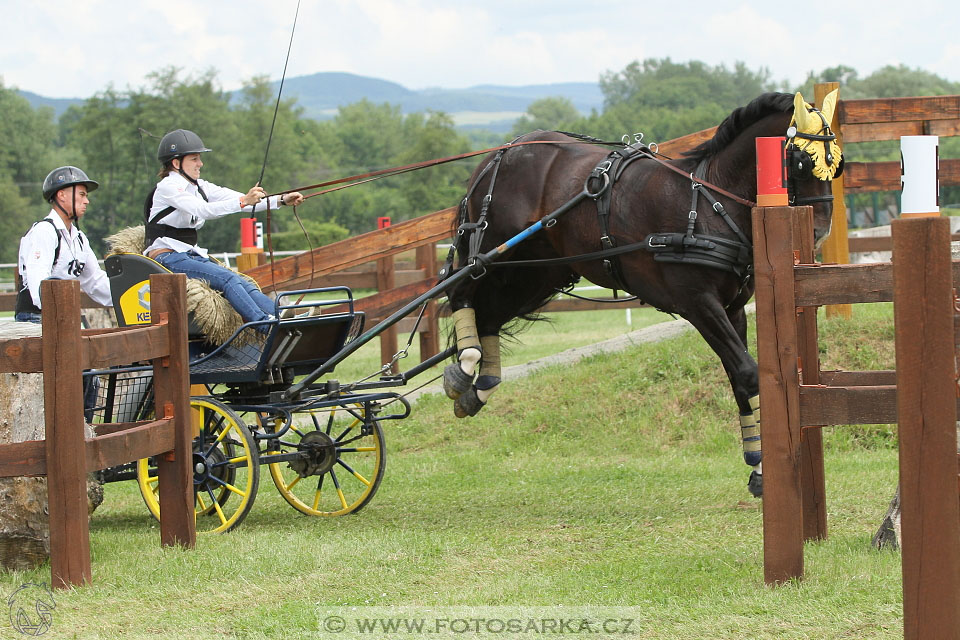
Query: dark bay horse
point(697, 266)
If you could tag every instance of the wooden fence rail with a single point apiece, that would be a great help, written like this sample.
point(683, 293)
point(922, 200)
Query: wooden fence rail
point(65, 457)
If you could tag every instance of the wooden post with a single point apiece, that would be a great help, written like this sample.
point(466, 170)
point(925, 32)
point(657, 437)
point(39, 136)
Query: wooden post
point(777, 352)
point(429, 327)
point(385, 282)
point(926, 412)
point(836, 248)
point(63, 412)
point(171, 378)
point(812, 481)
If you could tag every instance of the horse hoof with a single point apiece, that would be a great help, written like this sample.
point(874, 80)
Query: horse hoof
point(755, 484)
point(455, 381)
point(468, 404)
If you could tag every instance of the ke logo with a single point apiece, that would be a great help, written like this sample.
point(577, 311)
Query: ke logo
point(31, 609)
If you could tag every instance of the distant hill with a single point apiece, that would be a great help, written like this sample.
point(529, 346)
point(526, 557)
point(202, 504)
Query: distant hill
point(490, 106)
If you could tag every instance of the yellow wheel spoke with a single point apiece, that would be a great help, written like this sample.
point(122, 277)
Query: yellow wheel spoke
point(235, 490)
point(153, 479)
point(294, 483)
point(361, 478)
point(343, 500)
point(365, 449)
point(316, 501)
point(203, 506)
point(223, 518)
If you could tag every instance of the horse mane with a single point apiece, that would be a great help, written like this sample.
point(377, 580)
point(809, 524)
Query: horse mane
point(741, 118)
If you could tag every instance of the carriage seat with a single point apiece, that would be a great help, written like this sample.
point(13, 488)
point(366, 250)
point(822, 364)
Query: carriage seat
point(129, 275)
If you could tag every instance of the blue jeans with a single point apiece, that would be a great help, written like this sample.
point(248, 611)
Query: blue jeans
point(241, 293)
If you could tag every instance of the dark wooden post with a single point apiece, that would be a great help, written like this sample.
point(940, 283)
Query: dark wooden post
point(65, 444)
point(171, 377)
point(777, 352)
point(812, 481)
point(429, 326)
point(926, 412)
point(386, 282)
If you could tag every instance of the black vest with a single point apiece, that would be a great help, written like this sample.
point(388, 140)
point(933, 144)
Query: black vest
point(153, 229)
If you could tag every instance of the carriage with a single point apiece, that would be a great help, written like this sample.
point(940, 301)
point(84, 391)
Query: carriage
point(324, 450)
point(673, 232)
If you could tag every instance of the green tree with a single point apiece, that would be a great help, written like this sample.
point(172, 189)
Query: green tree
point(548, 114)
point(27, 154)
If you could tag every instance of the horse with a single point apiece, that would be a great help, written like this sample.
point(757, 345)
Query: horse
point(675, 233)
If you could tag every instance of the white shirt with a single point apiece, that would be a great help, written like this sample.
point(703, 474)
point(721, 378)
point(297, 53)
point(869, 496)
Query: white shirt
point(192, 211)
point(37, 249)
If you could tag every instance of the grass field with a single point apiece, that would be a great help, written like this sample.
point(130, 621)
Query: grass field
point(615, 486)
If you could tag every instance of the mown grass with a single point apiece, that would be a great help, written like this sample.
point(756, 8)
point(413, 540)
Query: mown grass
point(615, 483)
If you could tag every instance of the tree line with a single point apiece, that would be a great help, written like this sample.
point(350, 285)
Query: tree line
point(114, 135)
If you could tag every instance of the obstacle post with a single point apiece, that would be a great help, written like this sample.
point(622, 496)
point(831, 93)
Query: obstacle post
point(171, 381)
point(777, 351)
point(251, 244)
point(64, 442)
point(927, 414)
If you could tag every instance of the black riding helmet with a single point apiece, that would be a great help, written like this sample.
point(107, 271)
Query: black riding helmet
point(63, 177)
point(179, 143)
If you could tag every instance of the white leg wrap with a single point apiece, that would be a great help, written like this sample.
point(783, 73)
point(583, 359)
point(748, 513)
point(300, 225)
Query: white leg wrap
point(484, 394)
point(469, 360)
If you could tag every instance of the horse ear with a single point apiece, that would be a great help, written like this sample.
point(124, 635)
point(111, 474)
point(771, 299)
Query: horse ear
point(800, 114)
point(829, 105)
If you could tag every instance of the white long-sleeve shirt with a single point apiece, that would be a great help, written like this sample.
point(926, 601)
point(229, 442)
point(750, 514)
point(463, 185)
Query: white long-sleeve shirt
point(192, 211)
point(76, 260)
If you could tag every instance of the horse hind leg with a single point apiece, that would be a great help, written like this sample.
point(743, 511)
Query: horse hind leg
point(472, 400)
point(458, 377)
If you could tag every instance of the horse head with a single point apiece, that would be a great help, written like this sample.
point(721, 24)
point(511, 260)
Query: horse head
point(814, 159)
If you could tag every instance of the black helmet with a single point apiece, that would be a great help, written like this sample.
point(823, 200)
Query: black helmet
point(64, 177)
point(179, 143)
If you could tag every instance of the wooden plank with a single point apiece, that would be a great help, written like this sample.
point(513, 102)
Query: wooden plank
point(927, 415)
point(822, 406)
point(351, 252)
point(853, 283)
point(133, 344)
point(63, 413)
point(812, 480)
point(388, 337)
point(858, 378)
point(378, 307)
point(880, 243)
point(779, 394)
point(893, 130)
point(864, 177)
point(677, 146)
point(171, 379)
point(27, 458)
point(127, 445)
point(23, 355)
point(843, 283)
point(898, 109)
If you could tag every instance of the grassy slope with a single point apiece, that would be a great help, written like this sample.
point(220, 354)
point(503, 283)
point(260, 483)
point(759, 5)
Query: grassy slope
point(617, 482)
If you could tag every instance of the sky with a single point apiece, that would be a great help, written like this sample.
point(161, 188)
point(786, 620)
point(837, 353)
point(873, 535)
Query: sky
point(75, 49)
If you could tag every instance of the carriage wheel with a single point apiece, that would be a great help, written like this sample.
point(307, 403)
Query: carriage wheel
point(226, 469)
point(341, 466)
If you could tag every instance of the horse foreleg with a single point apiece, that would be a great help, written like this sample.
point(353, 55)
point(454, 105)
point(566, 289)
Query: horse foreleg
point(749, 413)
point(471, 401)
point(723, 333)
point(458, 377)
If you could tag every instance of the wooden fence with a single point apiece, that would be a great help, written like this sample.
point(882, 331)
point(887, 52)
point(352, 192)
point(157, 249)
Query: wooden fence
point(797, 398)
point(65, 457)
